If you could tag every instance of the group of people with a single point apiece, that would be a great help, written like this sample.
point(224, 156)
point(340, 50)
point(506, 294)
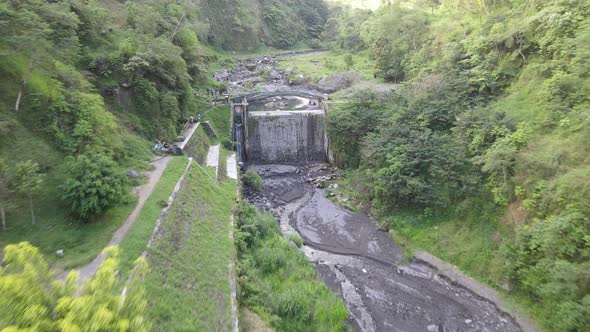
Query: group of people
point(162, 146)
point(191, 119)
point(165, 147)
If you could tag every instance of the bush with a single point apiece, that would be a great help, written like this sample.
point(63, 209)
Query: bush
point(272, 256)
point(227, 143)
point(281, 283)
point(253, 180)
point(32, 300)
point(253, 227)
point(94, 184)
point(296, 239)
point(315, 44)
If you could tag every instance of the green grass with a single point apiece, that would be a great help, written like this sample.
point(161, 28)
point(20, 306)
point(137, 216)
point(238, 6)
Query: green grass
point(470, 244)
point(54, 230)
point(188, 282)
point(219, 119)
point(138, 235)
point(316, 66)
point(198, 146)
point(278, 282)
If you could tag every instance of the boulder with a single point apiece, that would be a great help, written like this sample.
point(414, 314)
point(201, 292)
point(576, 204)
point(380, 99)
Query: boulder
point(132, 173)
point(338, 81)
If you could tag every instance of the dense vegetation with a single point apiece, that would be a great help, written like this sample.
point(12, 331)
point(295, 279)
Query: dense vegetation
point(86, 85)
point(33, 301)
point(90, 78)
point(278, 282)
point(484, 143)
point(492, 116)
point(249, 24)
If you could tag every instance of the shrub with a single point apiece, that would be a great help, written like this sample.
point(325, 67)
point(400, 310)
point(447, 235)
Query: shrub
point(253, 227)
point(281, 283)
point(32, 300)
point(253, 180)
point(296, 239)
point(272, 256)
point(315, 43)
point(94, 184)
point(227, 143)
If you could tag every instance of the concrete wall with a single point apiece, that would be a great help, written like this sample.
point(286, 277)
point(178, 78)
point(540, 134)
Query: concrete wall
point(286, 136)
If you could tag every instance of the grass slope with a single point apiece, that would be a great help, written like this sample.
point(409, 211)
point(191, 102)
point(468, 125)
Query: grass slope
point(218, 118)
point(189, 258)
point(198, 146)
point(136, 239)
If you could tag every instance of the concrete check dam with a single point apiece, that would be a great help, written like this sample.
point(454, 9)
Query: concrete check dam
point(281, 127)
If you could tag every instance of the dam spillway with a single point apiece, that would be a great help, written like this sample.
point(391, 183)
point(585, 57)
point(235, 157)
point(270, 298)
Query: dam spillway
point(286, 136)
point(285, 128)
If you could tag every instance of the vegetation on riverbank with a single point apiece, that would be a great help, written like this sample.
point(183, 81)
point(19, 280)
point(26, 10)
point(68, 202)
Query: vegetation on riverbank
point(480, 154)
point(278, 282)
point(99, 80)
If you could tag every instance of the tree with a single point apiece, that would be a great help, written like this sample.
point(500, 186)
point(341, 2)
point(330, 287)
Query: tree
point(93, 185)
point(498, 162)
point(29, 181)
point(5, 195)
point(348, 60)
point(34, 32)
point(32, 300)
point(349, 125)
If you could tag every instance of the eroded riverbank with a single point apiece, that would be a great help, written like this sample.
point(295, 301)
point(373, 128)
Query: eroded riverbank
point(364, 266)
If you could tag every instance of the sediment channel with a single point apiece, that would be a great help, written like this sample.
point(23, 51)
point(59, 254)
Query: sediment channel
point(361, 263)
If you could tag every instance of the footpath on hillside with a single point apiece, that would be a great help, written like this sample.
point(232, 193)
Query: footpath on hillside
point(143, 192)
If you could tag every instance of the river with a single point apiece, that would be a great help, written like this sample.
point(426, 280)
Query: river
point(382, 291)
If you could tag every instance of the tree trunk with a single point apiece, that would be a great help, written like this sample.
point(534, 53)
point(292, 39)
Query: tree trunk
point(32, 209)
point(22, 88)
point(19, 96)
point(177, 26)
point(3, 218)
point(485, 8)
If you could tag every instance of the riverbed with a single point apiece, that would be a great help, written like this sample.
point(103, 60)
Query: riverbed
point(362, 264)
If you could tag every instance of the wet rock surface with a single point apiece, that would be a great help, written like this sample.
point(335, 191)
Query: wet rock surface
point(261, 73)
point(364, 266)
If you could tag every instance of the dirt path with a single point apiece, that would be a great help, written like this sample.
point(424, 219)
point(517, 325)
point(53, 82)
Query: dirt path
point(143, 192)
point(381, 290)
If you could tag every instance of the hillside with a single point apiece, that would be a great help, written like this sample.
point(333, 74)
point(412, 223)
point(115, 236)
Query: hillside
point(461, 126)
point(480, 155)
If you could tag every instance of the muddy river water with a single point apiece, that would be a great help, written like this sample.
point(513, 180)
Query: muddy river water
point(364, 266)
